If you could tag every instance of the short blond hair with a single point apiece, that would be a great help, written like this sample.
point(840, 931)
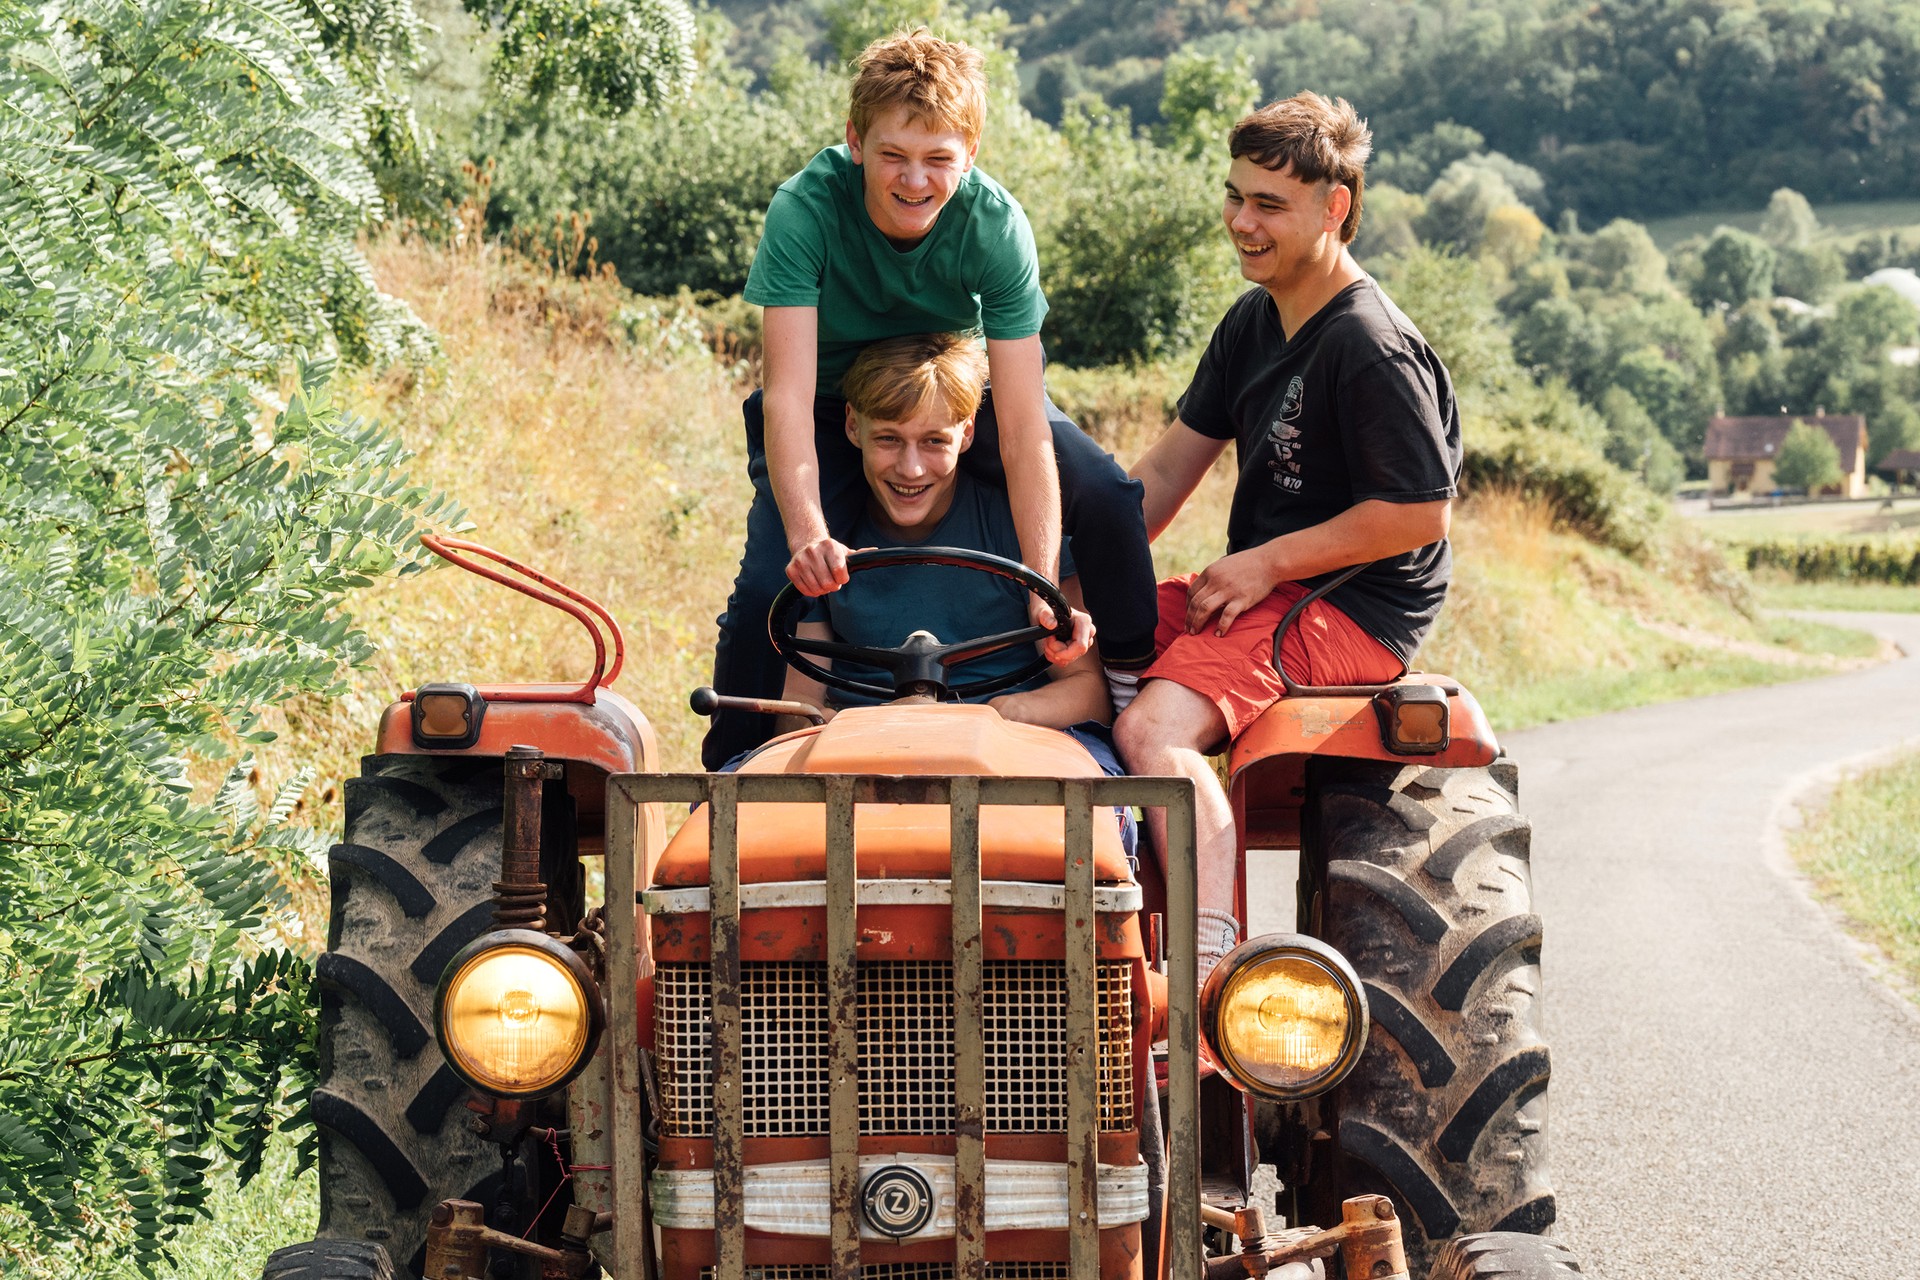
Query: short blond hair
point(894, 379)
point(1319, 139)
point(937, 82)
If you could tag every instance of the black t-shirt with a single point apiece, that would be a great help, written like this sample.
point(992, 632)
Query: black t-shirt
point(1354, 406)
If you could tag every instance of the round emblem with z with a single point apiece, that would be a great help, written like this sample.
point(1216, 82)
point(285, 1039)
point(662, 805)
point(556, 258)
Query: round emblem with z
point(898, 1201)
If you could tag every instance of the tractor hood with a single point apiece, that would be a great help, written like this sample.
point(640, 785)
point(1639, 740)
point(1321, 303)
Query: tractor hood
point(785, 842)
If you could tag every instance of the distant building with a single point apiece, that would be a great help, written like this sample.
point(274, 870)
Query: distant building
point(1901, 467)
point(1740, 452)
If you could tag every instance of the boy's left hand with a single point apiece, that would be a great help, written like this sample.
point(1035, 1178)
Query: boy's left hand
point(1229, 587)
point(1059, 652)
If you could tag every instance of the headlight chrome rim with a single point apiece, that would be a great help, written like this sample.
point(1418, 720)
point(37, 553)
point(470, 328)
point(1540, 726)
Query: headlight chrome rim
point(549, 949)
point(1314, 952)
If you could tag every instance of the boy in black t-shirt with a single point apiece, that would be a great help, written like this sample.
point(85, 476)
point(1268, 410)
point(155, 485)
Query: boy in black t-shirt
point(1348, 441)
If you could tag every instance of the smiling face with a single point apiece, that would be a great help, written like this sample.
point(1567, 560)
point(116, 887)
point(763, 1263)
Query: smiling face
point(910, 467)
point(1283, 229)
point(910, 169)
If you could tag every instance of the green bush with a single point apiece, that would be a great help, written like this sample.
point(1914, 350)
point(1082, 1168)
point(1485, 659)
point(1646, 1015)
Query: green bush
point(1808, 459)
point(1585, 491)
point(1132, 254)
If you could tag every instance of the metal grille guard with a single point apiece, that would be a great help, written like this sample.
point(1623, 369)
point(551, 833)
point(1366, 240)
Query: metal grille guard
point(628, 838)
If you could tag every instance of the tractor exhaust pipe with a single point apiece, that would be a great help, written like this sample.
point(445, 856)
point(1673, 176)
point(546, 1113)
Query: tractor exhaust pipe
point(519, 895)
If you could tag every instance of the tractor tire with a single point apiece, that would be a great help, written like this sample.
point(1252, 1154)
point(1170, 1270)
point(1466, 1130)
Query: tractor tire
point(1420, 877)
point(1504, 1255)
point(329, 1260)
point(412, 883)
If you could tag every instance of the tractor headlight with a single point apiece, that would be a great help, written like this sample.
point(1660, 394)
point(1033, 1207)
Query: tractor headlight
point(1284, 1016)
point(517, 1014)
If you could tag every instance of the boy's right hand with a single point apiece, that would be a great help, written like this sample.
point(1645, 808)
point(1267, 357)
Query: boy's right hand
point(818, 567)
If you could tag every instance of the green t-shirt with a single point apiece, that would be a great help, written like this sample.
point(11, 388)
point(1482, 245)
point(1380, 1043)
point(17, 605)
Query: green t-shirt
point(976, 270)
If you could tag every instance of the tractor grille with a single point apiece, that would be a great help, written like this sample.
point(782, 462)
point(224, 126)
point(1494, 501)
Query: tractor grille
point(906, 1052)
point(906, 1271)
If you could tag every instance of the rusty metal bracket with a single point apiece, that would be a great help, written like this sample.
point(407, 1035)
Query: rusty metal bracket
point(1368, 1241)
point(519, 896)
point(458, 1239)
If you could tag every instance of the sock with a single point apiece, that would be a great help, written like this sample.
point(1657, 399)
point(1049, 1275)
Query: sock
point(1219, 934)
point(1121, 687)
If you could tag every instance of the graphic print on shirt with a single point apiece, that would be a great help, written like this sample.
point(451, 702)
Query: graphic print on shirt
point(1285, 436)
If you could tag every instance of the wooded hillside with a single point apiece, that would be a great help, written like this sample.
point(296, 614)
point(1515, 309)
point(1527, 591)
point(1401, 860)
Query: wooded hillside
point(1629, 108)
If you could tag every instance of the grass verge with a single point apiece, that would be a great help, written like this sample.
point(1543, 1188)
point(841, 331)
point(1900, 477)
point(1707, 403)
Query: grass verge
point(1853, 597)
point(1811, 519)
point(1863, 859)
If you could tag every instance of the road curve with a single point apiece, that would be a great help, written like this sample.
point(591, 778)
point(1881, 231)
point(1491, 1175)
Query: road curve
point(1735, 1094)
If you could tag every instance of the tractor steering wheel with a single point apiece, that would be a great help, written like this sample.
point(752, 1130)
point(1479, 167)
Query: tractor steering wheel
point(919, 665)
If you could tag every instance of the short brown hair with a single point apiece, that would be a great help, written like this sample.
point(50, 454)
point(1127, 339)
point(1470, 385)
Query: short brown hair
point(892, 380)
point(1321, 140)
point(936, 82)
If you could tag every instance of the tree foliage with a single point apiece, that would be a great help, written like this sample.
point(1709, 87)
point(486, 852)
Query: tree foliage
point(1203, 97)
point(182, 509)
point(674, 199)
point(1789, 222)
point(1734, 268)
point(1132, 254)
point(1808, 459)
point(611, 55)
point(1631, 108)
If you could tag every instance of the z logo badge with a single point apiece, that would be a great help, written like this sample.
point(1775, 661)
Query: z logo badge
point(898, 1201)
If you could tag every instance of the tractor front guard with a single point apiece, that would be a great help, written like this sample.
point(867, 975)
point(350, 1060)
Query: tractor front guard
point(628, 1253)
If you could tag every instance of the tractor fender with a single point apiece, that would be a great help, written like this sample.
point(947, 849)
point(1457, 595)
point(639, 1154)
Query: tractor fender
point(608, 733)
point(1346, 726)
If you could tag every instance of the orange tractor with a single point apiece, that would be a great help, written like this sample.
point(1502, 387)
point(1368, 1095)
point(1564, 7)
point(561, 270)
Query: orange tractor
point(894, 1001)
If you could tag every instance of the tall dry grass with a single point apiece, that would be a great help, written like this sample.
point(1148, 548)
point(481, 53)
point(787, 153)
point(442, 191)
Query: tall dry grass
point(588, 433)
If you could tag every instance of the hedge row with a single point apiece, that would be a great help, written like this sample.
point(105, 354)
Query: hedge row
point(1836, 560)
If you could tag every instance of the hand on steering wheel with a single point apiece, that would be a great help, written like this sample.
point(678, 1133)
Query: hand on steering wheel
point(920, 664)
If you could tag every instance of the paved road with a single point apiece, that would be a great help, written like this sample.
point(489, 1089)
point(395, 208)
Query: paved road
point(1735, 1094)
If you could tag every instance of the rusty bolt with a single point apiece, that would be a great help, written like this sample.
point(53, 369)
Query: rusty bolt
point(1383, 1208)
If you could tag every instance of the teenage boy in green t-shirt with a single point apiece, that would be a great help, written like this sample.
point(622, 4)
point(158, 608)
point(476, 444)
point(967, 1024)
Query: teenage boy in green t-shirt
point(894, 234)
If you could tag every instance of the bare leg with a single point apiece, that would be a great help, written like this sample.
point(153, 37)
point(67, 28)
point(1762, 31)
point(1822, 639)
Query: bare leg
point(1166, 731)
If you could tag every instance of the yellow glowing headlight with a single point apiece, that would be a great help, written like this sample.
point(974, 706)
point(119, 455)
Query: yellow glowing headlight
point(1284, 1016)
point(517, 1014)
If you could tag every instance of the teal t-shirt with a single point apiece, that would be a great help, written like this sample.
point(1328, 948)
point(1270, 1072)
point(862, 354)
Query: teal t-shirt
point(885, 606)
point(976, 270)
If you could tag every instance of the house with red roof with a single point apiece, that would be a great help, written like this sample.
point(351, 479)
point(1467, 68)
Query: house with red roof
point(1741, 451)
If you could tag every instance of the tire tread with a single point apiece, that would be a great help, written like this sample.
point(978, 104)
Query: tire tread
point(392, 1138)
point(1445, 1111)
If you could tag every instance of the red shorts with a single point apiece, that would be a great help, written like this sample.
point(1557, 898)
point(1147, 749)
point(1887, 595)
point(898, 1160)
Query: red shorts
point(1235, 671)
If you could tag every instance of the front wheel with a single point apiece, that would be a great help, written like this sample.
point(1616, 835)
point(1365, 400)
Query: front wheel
point(1504, 1255)
point(329, 1260)
point(1420, 877)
